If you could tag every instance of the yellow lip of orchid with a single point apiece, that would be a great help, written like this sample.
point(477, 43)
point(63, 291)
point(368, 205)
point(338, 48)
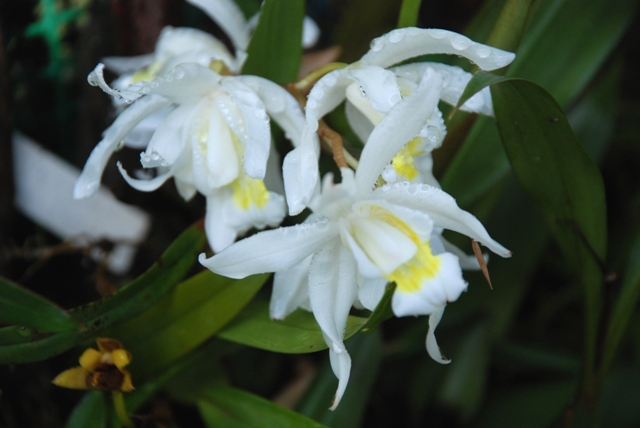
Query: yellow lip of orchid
point(102, 369)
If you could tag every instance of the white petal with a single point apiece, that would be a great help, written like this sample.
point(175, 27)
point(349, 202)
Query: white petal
point(272, 250)
point(146, 185)
point(300, 173)
point(371, 291)
point(185, 189)
point(419, 222)
point(454, 82)
point(442, 209)
point(434, 292)
point(222, 158)
point(280, 105)
point(256, 137)
point(127, 64)
point(326, 95)
point(89, 179)
point(219, 233)
point(130, 94)
point(178, 45)
point(229, 17)
point(379, 85)
point(310, 32)
point(244, 219)
point(397, 128)
point(467, 262)
point(187, 82)
point(360, 124)
point(404, 43)
point(290, 289)
point(140, 136)
point(432, 345)
point(365, 266)
point(332, 291)
point(167, 142)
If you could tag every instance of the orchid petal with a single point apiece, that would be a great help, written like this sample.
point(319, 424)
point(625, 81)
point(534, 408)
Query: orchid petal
point(397, 128)
point(371, 291)
point(229, 17)
point(300, 173)
point(379, 85)
point(467, 262)
point(166, 143)
point(127, 64)
point(442, 209)
point(360, 124)
point(220, 234)
point(271, 250)
point(405, 43)
point(129, 94)
point(141, 134)
point(454, 82)
point(186, 82)
point(419, 222)
point(366, 267)
point(221, 155)
point(328, 92)
point(432, 345)
point(256, 137)
point(89, 179)
point(178, 45)
point(185, 189)
point(310, 32)
point(356, 98)
point(290, 289)
point(332, 291)
point(145, 185)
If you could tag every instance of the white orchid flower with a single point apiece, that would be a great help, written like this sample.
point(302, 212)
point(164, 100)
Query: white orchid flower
point(215, 140)
point(373, 91)
point(359, 238)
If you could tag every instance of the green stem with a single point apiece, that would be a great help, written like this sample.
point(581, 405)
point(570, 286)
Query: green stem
point(409, 13)
point(121, 410)
point(509, 28)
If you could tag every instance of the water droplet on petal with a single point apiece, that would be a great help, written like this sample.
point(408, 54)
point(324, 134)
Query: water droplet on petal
point(396, 36)
point(460, 42)
point(376, 45)
point(438, 34)
point(483, 51)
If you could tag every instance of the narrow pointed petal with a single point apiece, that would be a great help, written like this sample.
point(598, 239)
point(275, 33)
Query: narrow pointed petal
point(405, 43)
point(181, 44)
point(467, 262)
point(229, 17)
point(300, 173)
point(185, 189)
point(360, 124)
point(221, 156)
point(341, 365)
point(146, 185)
point(290, 289)
point(167, 144)
point(326, 95)
point(432, 345)
point(272, 250)
point(89, 179)
point(442, 209)
point(397, 128)
point(256, 137)
point(127, 64)
point(187, 82)
point(129, 94)
point(379, 85)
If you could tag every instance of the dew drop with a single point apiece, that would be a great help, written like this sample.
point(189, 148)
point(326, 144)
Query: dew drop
point(483, 51)
point(460, 42)
point(438, 34)
point(330, 80)
point(376, 45)
point(396, 36)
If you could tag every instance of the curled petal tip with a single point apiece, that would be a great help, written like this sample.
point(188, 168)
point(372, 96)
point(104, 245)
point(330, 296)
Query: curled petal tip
point(336, 401)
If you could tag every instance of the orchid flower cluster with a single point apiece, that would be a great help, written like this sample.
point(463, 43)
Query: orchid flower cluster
point(208, 128)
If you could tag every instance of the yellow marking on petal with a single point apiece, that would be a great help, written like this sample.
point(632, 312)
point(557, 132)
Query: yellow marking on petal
point(410, 277)
point(146, 74)
point(249, 191)
point(403, 161)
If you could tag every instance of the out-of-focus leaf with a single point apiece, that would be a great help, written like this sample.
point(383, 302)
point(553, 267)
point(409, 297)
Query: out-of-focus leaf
point(625, 305)
point(530, 407)
point(568, 41)
point(19, 306)
point(409, 13)
point(130, 301)
point(366, 355)
point(509, 27)
point(223, 406)
point(525, 359)
point(619, 405)
point(275, 49)
point(298, 333)
point(193, 312)
point(382, 312)
point(91, 412)
point(464, 383)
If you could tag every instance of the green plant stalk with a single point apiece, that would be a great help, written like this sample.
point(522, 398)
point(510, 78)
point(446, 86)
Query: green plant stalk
point(121, 410)
point(409, 13)
point(509, 28)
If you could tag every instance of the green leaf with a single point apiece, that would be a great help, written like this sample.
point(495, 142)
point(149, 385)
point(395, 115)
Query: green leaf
point(19, 306)
point(567, 42)
point(564, 183)
point(193, 312)
point(479, 81)
point(130, 301)
point(223, 406)
point(366, 355)
point(409, 13)
point(623, 309)
point(382, 312)
point(91, 412)
point(298, 333)
point(275, 49)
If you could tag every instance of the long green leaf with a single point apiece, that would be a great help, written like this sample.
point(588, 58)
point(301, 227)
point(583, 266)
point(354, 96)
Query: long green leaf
point(130, 301)
point(224, 406)
point(19, 306)
point(275, 49)
point(409, 13)
point(193, 312)
point(298, 333)
point(567, 42)
point(91, 412)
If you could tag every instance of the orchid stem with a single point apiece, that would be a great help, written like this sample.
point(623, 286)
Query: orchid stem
point(121, 410)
